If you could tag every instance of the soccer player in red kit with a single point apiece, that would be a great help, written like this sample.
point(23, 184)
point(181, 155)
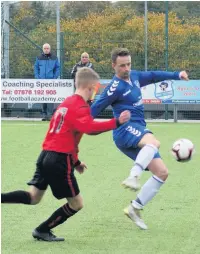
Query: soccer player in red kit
point(59, 157)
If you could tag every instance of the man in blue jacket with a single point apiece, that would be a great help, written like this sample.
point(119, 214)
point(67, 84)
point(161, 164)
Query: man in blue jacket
point(46, 67)
point(134, 139)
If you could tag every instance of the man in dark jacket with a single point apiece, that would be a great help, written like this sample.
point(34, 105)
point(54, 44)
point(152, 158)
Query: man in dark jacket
point(85, 62)
point(47, 67)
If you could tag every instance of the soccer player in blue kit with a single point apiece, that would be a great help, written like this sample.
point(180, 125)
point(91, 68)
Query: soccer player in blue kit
point(133, 138)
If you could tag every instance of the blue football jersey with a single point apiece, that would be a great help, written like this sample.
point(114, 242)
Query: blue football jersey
point(123, 95)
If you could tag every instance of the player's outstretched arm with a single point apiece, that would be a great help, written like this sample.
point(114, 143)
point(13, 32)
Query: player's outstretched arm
point(84, 122)
point(150, 77)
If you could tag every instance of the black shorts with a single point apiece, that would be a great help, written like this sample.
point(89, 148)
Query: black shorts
point(57, 170)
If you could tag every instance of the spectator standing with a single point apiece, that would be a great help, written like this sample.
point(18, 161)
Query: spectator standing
point(85, 62)
point(47, 67)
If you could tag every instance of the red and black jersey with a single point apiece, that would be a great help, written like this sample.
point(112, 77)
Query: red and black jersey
point(71, 119)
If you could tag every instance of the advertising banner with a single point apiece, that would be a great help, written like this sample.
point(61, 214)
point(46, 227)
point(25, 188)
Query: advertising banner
point(36, 90)
point(172, 92)
point(169, 92)
point(56, 90)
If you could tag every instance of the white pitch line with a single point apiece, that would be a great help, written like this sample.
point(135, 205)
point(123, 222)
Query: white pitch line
point(21, 124)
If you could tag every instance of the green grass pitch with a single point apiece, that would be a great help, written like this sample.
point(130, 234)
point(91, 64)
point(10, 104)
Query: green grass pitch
point(173, 217)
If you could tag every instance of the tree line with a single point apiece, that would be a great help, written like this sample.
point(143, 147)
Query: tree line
point(98, 27)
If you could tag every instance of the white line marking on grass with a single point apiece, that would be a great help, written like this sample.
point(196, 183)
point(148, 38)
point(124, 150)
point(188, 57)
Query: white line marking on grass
point(21, 124)
point(155, 125)
point(21, 119)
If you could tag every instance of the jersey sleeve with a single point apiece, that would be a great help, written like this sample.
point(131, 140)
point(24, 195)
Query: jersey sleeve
point(150, 77)
point(109, 95)
point(84, 123)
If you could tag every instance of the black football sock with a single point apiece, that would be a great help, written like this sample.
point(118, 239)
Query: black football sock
point(22, 197)
point(57, 218)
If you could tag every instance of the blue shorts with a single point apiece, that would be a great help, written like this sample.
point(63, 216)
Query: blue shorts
point(127, 137)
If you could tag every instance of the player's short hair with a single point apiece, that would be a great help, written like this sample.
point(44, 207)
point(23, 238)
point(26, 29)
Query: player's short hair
point(86, 76)
point(119, 52)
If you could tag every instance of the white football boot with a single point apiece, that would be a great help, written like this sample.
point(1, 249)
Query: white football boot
point(132, 182)
point(133, 213)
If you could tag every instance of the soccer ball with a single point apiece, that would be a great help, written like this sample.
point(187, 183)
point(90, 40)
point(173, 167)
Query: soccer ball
point(183, 150)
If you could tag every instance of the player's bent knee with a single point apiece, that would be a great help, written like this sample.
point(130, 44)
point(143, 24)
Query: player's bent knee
point(163, 174)
point(77, 206)
point(76, 203)
point(35, 199)
point(35, 202)
point(149, 140)
point(156, 143)
point(36, 195)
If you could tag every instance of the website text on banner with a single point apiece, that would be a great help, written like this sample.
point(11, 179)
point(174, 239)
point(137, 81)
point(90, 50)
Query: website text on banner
point(167, 92)
point(35, 90)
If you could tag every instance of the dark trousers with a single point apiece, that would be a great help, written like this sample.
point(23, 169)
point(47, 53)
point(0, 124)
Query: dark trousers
point(47, 109)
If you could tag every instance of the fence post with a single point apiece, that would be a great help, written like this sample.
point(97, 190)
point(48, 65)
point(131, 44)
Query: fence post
point(58, 30)
point(61, 54)
point(175, 113)
point(145, 35)
point(6, 38)
point(166, 49)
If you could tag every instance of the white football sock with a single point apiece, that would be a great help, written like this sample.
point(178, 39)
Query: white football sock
point(143, 159)
point(136, 171)
point(149, 189)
